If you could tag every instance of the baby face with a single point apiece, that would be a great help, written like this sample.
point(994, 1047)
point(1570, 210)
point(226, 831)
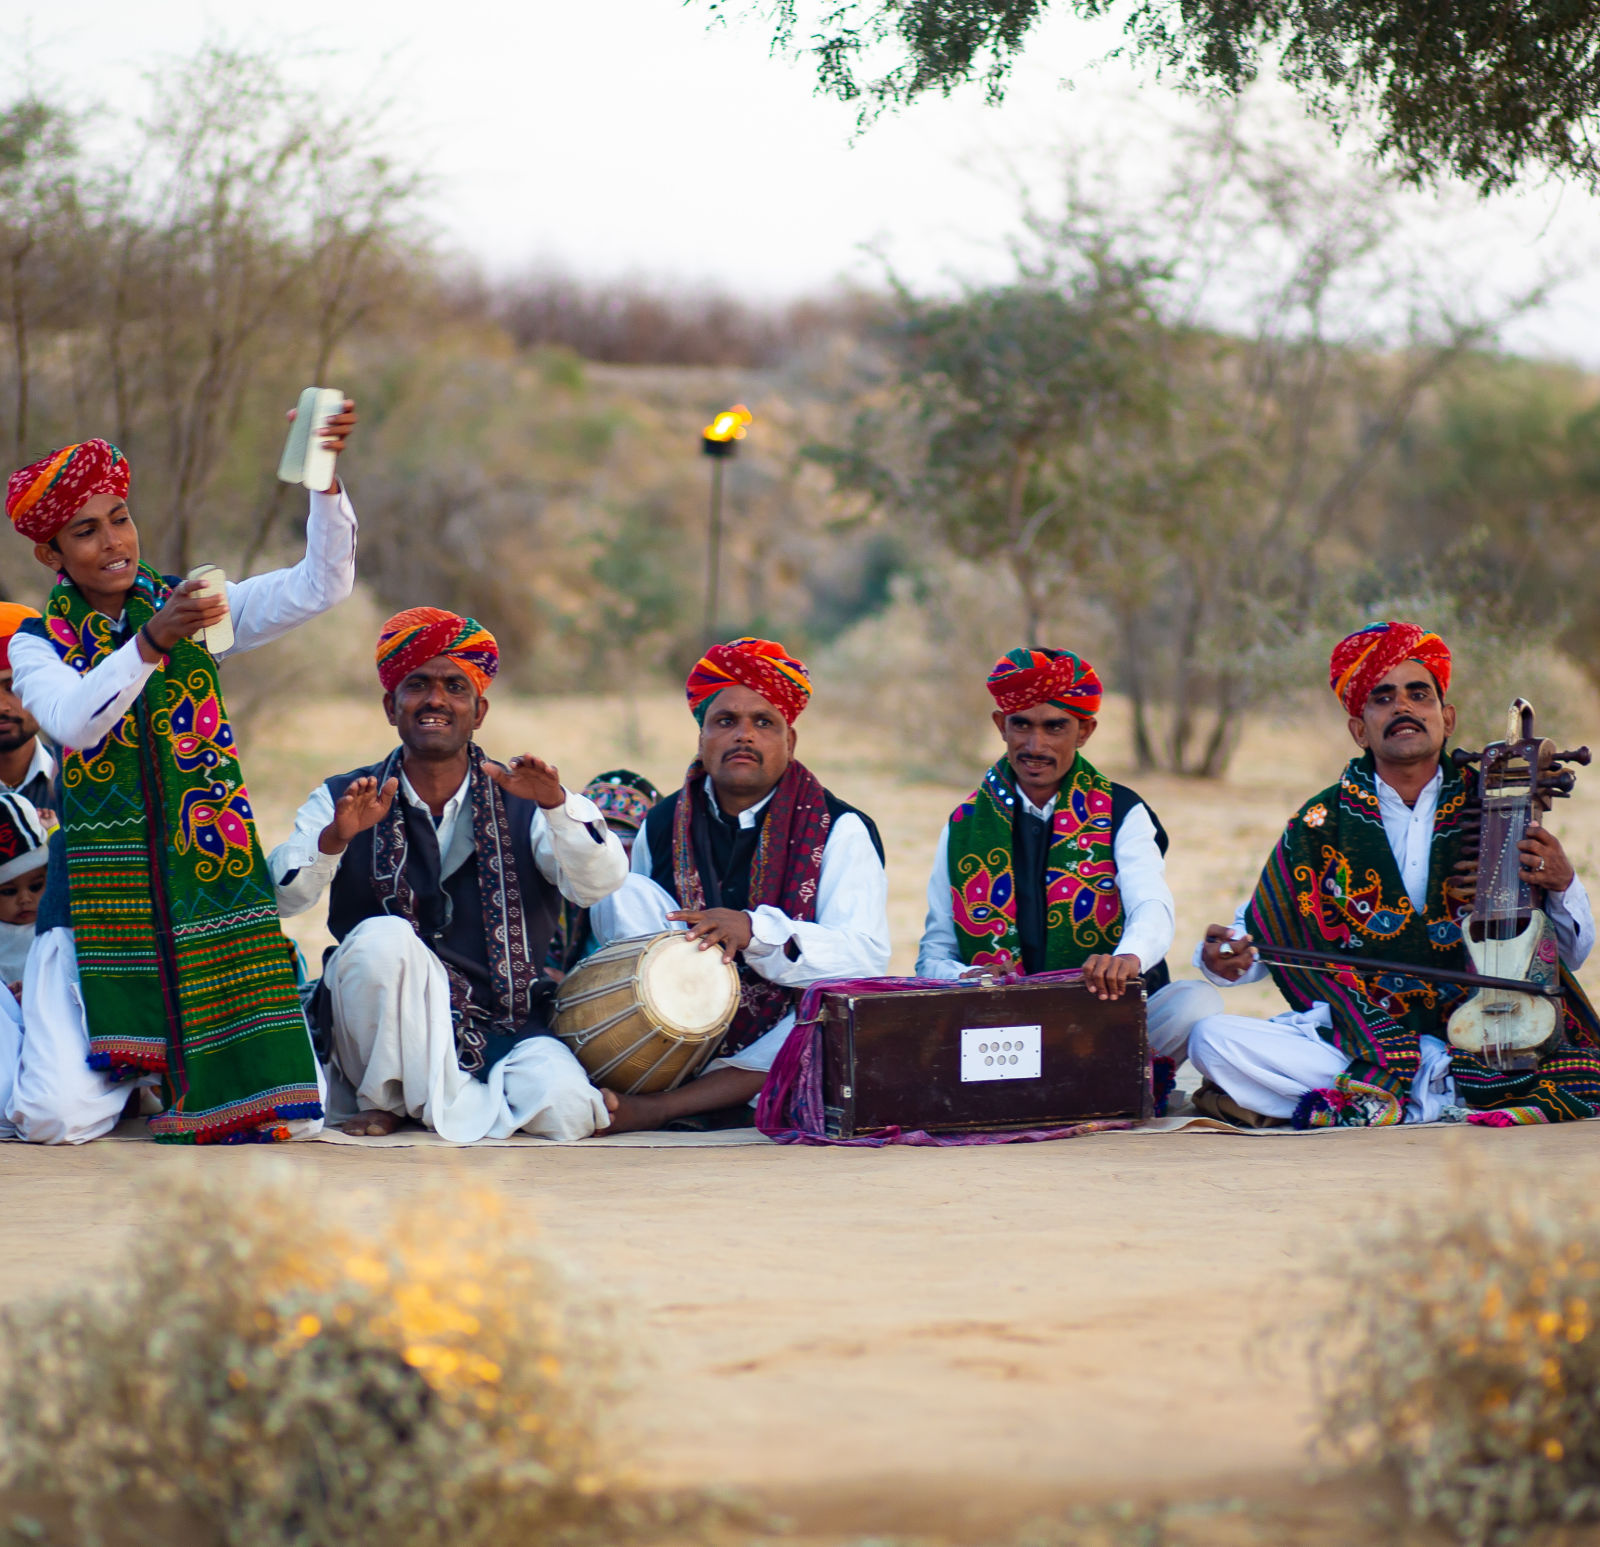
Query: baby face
point(19, 897)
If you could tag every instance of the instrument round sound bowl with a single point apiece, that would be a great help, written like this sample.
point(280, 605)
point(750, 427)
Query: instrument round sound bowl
point(644, 1015)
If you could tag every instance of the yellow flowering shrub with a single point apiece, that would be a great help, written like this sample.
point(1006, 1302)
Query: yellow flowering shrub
point(281, 1376)
point(1464, 1354)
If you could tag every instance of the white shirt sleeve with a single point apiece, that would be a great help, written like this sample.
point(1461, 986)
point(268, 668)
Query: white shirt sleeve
point(1258, 968)
point(1572, 919)
point(1149, 916)
point(300, 870)
point(939, 956)
point(75, 709)
point(266, 607)
point(577, 852)
point(850, 937)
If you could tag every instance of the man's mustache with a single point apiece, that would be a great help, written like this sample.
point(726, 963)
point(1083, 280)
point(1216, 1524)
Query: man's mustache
point(1404, 719)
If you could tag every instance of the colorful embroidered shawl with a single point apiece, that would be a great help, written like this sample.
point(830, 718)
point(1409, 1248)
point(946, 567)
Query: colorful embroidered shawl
point(512, 968)
point(183, 966)
point(784, 874)
point(1083, 907)
point(1332, 884)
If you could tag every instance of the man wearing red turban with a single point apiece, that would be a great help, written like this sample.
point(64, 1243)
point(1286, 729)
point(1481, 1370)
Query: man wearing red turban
point(27, 767)
point(155, 872)
point(446, 873)
point(755, 858)
point(1049, 865)
point(1373, 865)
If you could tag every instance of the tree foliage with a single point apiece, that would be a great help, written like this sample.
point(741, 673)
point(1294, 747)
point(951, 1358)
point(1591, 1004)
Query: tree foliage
point(1485, 90)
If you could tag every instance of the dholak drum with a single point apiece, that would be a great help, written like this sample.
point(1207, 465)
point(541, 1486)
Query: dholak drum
point(644, 1015)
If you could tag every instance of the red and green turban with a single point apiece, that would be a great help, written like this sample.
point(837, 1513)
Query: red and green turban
point(42, 497)
point(1024, 678)
point(762, 665)
point(1363, 659)
point(419, 634)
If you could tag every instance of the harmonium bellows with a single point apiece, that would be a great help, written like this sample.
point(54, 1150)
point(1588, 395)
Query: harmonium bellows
point(971, 1057)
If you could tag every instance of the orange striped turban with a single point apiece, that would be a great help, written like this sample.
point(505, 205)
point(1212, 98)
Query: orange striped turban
point(1363, 659)
point(762, 665)
point(12, 616)
point(42, 497)
point(413, 637)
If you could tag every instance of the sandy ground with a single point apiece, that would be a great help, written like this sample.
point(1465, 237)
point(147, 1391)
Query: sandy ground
point(895, 1341)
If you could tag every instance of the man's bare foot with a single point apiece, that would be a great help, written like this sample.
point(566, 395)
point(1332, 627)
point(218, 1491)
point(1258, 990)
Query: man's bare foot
point(371, 1125)
point(629, 1114)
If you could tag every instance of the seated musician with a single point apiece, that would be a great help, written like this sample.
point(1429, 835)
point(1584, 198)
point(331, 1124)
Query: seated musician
point(756, 858)
point(1049, 865)
point(444, 904)
point(1366, 863)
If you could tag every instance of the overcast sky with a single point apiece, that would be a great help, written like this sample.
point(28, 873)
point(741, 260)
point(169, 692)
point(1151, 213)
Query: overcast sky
point(625, 136)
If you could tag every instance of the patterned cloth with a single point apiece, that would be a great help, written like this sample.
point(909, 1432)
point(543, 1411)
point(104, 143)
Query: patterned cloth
point(1361, 660)
point(184, 969)
point(12, 616)
point(624, 797)
point(762, 665)
point(1083, 906)
point(512, 966)
point(1332, 885)
point(420, 634)
point(23, 837)
point(784, 874)
point(1024, 678)
point(42, 497)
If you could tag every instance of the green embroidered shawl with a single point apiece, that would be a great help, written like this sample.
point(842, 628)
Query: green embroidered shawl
point(183, 965)
point(1332, 884)
point(1083, 907)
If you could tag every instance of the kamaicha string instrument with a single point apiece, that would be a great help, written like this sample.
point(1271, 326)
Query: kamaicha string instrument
point(1513, 1017)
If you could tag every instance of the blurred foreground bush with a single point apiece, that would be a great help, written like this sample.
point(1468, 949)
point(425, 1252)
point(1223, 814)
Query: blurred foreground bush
point(1464, 1356)
point(270, 1374)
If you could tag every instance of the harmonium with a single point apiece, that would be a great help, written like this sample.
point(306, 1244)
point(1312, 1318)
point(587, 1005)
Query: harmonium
point(976, 1056)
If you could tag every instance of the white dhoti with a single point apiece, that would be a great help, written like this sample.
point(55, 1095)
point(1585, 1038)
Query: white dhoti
point(1172, 1012)
point(1268, 1065)
point(56, 1098)
point(10, 1059)
point(394, 1041)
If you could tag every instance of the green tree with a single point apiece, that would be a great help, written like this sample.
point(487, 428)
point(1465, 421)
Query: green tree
point(1484, 90)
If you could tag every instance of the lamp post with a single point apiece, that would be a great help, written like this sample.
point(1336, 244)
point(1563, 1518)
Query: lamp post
point(718, 441)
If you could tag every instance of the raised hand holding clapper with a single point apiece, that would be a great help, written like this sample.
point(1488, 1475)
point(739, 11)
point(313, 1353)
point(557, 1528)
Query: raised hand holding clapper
point(218, 637)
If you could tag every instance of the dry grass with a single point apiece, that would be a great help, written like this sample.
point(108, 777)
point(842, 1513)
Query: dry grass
point(268, 1373)
point(1464, 1357)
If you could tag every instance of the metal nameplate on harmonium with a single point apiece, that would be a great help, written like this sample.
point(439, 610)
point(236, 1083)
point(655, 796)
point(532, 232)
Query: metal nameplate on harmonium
point(969, 1057)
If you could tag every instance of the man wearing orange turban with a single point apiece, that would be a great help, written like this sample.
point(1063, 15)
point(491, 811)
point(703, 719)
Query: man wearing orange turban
point(27, 767)
point(1370, 867)
point(756, 859)
point(446, 872)
point(156, 873)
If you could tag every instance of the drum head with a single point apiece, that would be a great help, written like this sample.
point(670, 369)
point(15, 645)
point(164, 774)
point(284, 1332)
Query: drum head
point(686, 991)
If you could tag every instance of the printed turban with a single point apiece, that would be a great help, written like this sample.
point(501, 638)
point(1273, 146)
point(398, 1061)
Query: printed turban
point(762, 665)
point(1023, 678)
point(42, 497)
point(623, 796)
point(1363, 659)
point(417, 635)
point(12, 616)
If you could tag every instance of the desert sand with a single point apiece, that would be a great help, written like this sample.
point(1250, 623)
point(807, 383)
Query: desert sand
point(895, 1341)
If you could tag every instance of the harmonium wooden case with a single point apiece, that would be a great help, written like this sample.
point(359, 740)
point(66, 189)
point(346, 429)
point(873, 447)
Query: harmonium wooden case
point(972, 1057)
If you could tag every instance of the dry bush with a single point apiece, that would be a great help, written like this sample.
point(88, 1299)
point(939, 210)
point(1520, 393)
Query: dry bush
point(276, 1375)
point(1464, 1356)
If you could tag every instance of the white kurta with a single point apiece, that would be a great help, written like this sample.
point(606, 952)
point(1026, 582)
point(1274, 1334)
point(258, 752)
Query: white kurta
point(55, 1097)
point(1268, 1065)
point(1149, 921)
point(849, 937)
point(393, 1036)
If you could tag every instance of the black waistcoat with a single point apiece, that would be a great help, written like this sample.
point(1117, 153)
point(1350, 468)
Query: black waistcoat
point(1030, 851)
point(449, 913)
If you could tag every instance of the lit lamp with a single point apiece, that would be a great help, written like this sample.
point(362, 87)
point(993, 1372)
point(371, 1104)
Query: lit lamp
point(719, 440)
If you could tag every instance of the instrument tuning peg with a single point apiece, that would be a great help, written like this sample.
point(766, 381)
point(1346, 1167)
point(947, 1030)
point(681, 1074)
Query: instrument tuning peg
point(1581, 756)
point(1463, 758)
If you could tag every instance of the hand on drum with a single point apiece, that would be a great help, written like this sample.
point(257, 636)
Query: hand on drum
point(1108, 977)
point(725, 927)
point(529, 778)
